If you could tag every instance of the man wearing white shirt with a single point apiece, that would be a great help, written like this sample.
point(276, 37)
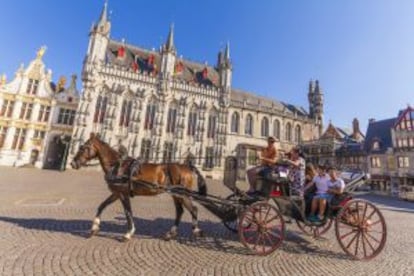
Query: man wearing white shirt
point(321, 182)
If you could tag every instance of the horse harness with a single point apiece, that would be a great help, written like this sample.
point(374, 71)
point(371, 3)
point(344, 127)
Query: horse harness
point(124, 170)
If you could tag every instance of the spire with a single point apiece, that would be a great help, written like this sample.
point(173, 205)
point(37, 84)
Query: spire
point(311, 87)
point(227, 52)
point(317, 88)
point(104, 14)
point(169, 46)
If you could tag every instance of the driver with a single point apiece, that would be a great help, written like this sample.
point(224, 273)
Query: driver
point(267, 159)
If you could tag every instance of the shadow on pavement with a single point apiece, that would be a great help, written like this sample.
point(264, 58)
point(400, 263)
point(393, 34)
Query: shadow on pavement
point(216, 237)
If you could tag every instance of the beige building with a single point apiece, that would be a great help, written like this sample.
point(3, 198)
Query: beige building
point(36, 116)
point(161, 106)
point(390, 148)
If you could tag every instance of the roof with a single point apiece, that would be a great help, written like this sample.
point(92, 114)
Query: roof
point(379, 131)
point(146, 61)
point(253, 101)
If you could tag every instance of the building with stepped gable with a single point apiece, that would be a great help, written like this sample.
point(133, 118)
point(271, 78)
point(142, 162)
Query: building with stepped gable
point(36, 117)
point(162, 107)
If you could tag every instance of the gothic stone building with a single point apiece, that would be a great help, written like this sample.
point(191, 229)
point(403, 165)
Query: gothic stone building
point(162, 107)
point(36, 117)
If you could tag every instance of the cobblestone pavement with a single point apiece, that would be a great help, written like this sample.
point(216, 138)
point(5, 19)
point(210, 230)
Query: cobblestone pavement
point(45, 216)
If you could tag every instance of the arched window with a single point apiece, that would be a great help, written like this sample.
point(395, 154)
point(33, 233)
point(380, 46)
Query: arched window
point(276, 129)
point(171, 118)
point(192, 122)
point(100, 109)
point(298, 134)
point(265, 127)
point(212, 124)
point(150, 116)
point(288, 133)
point(235, 122)
point(126, 111)
point(249, 125)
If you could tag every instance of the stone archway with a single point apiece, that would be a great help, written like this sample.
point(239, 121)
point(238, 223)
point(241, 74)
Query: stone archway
point(57, 153)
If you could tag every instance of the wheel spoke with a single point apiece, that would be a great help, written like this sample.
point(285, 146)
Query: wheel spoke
point(374, 231)
point(372, 213)
point(347, 234)
point(273, 218)
point(365, 210)
point(257, 242)
point(352, 240)
point(363, 244)
point(250, 229)
point(369, 235)
point(275, 235)
point(357, 244)
point(378, 221)
point(267, 213)
point(370, 245)
point(357, 211)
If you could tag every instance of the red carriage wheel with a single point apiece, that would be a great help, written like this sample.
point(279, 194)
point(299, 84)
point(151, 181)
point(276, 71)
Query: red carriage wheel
point(361, 230)
point(314, 230)
point(261, 228)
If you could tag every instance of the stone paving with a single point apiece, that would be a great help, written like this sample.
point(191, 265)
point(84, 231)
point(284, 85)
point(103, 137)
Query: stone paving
point(45, 216)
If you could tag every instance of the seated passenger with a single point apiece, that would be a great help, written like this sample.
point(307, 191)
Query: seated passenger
point(336, 186)
point(267, 159)
point(297, 165)
point(320, 181)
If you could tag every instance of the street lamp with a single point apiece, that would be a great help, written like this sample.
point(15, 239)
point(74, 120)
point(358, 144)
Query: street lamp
point(65, 142)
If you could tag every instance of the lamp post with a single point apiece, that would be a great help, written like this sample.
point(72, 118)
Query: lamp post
point(65, 142)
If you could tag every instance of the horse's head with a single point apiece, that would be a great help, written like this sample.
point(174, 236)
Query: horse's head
point(86, 152)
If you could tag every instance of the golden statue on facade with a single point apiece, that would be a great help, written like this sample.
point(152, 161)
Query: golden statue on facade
point(41, 52)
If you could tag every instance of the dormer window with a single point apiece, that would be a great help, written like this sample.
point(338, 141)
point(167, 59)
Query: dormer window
point(375, 145)
point(70, 99)
point(32, 87)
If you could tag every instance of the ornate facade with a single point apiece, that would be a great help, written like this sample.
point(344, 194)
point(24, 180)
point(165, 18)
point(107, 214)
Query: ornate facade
point(338, 147)
point(162, 107)
point(36, 116)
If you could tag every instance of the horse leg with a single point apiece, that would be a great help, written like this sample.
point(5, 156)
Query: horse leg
point(102, 206)
point(126, 203)
point(188, 204)
point(172, 233)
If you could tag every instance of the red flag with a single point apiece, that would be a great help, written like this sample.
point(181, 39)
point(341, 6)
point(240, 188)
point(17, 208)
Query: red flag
point(205, 73)
point(121, 52)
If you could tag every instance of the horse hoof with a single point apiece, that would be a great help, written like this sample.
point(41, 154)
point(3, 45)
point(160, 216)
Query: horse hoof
point(198, 233)
point(169, 236)
point(92, 233)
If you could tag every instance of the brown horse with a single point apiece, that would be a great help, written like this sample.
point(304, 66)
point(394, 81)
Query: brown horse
point(161, 175)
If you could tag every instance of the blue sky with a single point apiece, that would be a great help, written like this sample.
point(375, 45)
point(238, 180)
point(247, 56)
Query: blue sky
point(361, 51)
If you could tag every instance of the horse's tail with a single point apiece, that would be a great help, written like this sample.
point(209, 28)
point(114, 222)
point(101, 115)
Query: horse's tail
point(201, 182)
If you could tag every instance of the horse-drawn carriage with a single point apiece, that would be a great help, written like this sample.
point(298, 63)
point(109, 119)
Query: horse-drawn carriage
point(359, 225)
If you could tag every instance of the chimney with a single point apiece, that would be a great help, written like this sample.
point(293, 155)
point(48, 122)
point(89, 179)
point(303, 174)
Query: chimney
point(355, 127)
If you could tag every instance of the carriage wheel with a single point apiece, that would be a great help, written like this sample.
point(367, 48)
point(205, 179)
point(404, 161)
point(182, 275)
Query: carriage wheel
point(233, 224)
point(261, 228)
point(314, 230)
point(361, 230)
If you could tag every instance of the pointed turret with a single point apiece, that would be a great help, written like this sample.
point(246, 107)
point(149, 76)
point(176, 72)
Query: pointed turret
point(169, 45)
point(104, 14)
point(103, 26)
point(99, 36)
point(227, 52)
